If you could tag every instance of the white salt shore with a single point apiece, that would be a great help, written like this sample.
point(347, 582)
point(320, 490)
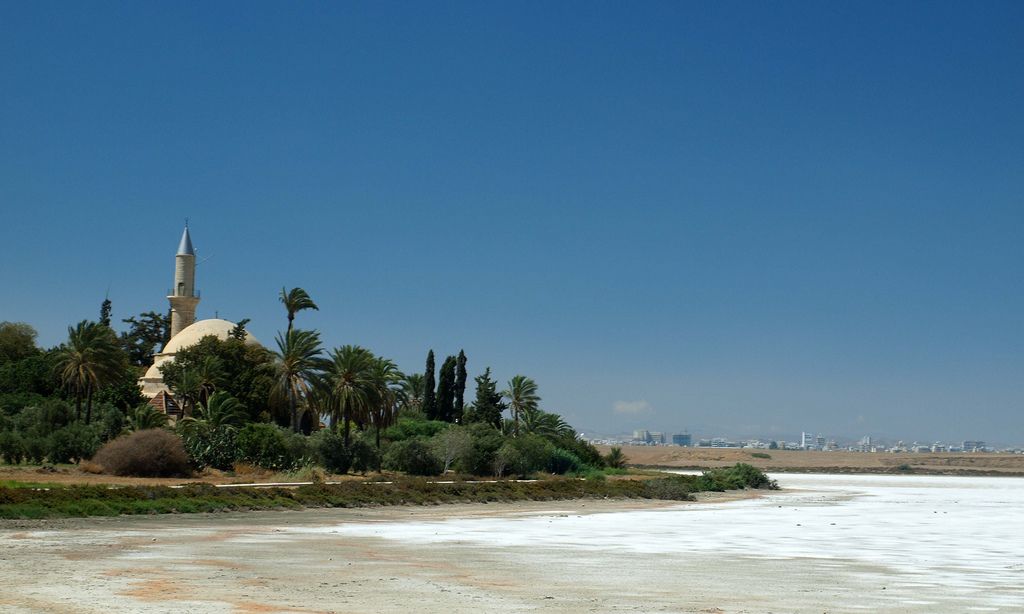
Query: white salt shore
point(826, 543)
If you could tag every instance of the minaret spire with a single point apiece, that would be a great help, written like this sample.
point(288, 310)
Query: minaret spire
point(183, 296)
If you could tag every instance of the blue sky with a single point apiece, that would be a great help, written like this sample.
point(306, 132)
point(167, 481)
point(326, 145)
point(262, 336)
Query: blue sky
point(737, 218)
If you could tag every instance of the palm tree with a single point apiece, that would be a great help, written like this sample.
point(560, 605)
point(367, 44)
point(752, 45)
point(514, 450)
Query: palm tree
point(145, 417)
point(539, 422)
point(90, 359)
point(350, 385)
point(295, 300)
point(221, 411)
point(188, 390)
point(209, 373)
point(297, 364)
point(615, 459)
point(412, 391)
point(522, 397)
point(387, 381)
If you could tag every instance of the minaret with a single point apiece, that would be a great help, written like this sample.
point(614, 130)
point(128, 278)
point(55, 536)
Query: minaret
point(183, 295)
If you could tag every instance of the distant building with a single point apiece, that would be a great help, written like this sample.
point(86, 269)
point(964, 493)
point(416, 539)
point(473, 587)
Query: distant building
point(806, 440)
point(682, 439)
point(642, 436)
point(656, 437)
point(974, 446)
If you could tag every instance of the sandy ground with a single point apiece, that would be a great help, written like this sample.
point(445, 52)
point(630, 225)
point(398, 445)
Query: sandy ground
point(825, 462)
point(300, 562)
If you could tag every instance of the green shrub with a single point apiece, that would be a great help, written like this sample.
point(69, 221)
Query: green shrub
point(363, 453)
point(36, 448)
point(408, 427)
point(412, 456)
point(740, 475)
point(72, 443)
point(676, 488)
point(479, 458)
point(148, 453)
point(12, 449)
point(534, 452)
point(214, 447)
point(329, 451)
point(760, 455)
point(264, 445)
point(562, 461)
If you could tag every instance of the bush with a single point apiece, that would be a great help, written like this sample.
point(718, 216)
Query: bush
point(413, 456)
point(72, 443)
point(479, 458)
point(407, 428)
point(329, 451)
point(363, 453)
point(214, 447)
point(35, 449)
point(534, 452)
point(265, 445)
point(740, 475)
point(12, 449)
point(562, 461)
point(507, 459)
point(149, 453)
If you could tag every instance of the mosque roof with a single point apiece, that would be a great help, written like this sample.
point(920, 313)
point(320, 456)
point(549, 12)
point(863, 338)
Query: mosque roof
point(191, 335)
point(185, 247)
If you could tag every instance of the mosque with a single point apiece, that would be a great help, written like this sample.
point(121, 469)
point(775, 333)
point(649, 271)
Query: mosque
point(185, 330)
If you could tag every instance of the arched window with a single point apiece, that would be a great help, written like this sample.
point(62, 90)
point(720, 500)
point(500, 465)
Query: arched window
point(181, 288)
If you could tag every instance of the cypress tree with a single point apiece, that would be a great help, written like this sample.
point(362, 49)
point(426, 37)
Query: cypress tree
point(105, 312)
point(429, 400)
point(460, 386)
point(446, 390)
point(488, 405)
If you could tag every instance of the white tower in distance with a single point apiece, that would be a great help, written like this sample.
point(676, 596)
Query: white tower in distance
point(183, 296)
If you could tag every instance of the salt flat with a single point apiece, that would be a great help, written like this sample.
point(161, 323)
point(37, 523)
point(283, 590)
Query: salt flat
point(833, 543)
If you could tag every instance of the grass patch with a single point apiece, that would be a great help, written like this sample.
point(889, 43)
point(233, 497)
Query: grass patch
point(82, 501)
point(760, 455)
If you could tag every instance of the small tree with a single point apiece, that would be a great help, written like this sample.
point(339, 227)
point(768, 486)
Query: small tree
point(429, 398)
point(615, 459)
point(451, 445)
point(460, 387)
point(446, 391)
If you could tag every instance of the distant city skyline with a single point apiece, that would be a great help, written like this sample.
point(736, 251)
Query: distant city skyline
point(745, 220)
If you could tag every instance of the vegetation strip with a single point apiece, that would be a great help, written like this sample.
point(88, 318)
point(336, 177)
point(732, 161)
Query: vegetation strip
point(84, 501)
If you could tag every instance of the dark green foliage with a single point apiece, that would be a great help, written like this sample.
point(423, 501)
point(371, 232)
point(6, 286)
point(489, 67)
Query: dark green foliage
point(329, 451)
point(145, 336)
point(238, 332)
point(412, 456)
point(479, 459)
point(460, 387)
point(584, 450)
point(364, 454)
point(446, 390)
point(412, 427)
point(247, 372)
point(73, 443)
point(773, 445)
point(17, 341)
point(32, 374)
point(213, 447)
point(109, 422)
point(760, 455)
point(615, 459)
point(12, 448)
point(122, 390)
point(148, 453)
point(265, 445)
point(488, 406)
point(562, 461)
point(429, 397)
point(105, 312)
point(740, 475)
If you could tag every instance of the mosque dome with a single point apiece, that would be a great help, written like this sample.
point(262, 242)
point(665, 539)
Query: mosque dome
point(194, 332)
